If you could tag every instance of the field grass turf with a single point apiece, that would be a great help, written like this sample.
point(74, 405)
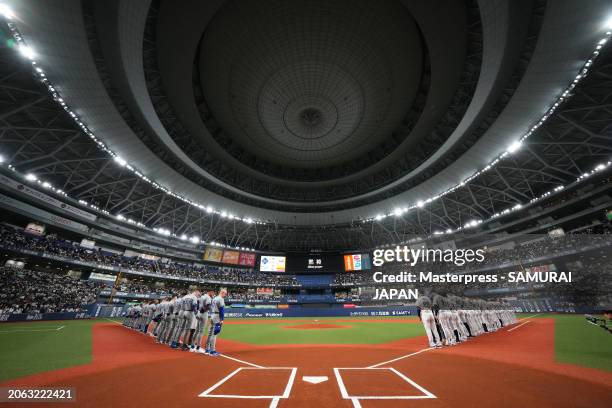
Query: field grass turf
point(582, 343)
point(354, 331)
point(29, 348)
point(33, 347)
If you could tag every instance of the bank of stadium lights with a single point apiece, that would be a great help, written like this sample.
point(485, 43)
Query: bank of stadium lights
point(6, 12)
point(120, 217)
point(518, 143)
point(515, 146)
point(473, 223)
point(120, 161)
point(29, 53)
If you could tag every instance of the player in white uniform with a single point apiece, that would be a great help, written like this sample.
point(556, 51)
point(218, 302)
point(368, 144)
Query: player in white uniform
point(429, 322)
point(217, 315)
point(202, 320)
point(444, 319)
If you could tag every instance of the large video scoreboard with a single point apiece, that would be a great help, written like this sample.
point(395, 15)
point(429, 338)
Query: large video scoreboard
point(315, 263)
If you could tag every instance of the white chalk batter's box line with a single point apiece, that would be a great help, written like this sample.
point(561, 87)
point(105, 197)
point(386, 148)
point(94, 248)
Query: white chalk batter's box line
point(355, 398)
point(274, 398)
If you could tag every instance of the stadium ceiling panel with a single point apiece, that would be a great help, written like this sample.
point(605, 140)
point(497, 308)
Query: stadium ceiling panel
point(293, 116)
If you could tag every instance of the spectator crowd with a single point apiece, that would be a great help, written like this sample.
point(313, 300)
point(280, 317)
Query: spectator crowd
point(27, 291)
point(50, 244)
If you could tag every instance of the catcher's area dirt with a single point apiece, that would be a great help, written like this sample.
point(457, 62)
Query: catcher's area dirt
point(501, 369)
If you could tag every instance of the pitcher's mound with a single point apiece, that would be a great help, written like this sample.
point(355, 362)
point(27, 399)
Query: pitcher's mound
point(311, 326)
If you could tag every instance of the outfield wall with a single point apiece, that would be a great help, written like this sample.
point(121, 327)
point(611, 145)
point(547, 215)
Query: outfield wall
point(94, 310)
point(240, 313)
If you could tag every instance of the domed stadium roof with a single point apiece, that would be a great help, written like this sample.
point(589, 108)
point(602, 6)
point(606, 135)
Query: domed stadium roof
point(309, 112)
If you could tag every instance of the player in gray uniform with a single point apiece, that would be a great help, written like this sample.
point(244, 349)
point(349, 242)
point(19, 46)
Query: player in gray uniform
point(179, 322)
point(137, 316)
point(217, 315)
point(190, 310)
point(172, 318)
point(202, 320)
point(151, 313)
point(160, 316)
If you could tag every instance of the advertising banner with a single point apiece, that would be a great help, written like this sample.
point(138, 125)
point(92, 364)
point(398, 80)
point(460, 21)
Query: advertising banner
point(230, 257)
point(247, 259)
point(357, 262)
point(269, 263)
point(213, 254)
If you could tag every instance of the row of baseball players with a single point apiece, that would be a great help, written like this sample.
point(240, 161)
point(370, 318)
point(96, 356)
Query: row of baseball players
point(449, 320)
point(181, 322)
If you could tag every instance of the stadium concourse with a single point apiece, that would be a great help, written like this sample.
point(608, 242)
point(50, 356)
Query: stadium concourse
point(305, 203)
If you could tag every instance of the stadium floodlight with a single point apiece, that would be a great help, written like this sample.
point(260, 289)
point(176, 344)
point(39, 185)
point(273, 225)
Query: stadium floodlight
point(120, 161)
point(6, 12)
point(514, 146)
point(209, 209)
point(420, 204)
point(195, 240)
point(46, 184)
point(608, 25)
point(398, 212)
point(120, 217)
point(223, 214)
point(27, 52)
point(183, 237)
point(1, 158)
point(31, 177)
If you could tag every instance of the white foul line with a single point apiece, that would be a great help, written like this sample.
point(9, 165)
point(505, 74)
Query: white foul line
point(113, 321)
point(522, 324)
point(26, 330)
point(401, 358)
point(242, 361)
point(529, 317)
point(356, 403)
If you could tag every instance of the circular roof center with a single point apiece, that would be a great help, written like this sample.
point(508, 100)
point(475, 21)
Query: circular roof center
point(290, 85)
point(311, 117)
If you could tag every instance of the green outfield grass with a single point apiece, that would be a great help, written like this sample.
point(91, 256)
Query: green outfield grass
point(29, 348)
point(355, 331)
point(582, 343)
point(579, 342)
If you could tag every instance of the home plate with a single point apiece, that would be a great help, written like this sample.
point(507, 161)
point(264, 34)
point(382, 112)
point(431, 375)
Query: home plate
point(315, 379)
